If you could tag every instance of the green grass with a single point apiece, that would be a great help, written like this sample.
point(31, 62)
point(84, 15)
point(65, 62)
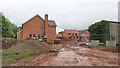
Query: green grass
point(10, 57)
point(9, 38)
point(22, 40)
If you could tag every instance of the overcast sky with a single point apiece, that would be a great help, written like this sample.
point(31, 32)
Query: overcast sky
point(68, 14)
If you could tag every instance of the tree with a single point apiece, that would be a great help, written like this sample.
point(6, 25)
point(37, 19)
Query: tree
point(61, 32)
point(9, 30)
point(100, 31)
point(15, 30)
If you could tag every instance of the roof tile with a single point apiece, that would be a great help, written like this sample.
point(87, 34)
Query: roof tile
point(51, 23)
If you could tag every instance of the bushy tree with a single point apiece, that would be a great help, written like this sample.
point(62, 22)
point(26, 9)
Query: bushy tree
point(9, 30)
point(61, 32)
point(100, 31)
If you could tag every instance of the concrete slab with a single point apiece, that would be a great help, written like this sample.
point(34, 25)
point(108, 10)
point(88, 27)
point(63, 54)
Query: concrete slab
point(95, 42)
point(111, 43)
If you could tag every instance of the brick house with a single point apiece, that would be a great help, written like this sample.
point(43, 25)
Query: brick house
point(38, 28)
point(59, 36)
point(71, 34)
point(82, 36)
point(85, 36)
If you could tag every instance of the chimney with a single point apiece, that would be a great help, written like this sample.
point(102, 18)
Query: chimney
point(46, 24)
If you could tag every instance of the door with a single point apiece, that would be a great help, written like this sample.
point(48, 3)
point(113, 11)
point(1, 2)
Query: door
point(39, 36)
point(30, 35)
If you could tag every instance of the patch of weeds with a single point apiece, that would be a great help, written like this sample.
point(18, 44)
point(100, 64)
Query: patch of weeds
point(11, 60)
point(10, 57)
point(27, 53)
point(22, 40)
point(25, 62)
point(10, 38)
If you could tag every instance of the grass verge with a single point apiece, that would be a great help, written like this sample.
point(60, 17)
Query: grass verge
point(10, 57)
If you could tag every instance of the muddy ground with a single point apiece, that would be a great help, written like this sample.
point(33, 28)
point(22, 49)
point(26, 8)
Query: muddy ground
point(70, 55)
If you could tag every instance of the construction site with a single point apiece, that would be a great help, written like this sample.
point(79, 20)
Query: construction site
point(37, 43)
point(66, 53)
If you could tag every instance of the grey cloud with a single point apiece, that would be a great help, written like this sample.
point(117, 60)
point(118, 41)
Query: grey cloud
point(75, 14)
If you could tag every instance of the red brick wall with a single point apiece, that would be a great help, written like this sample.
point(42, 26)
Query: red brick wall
point(33, 26)
point(51, 34)
point(66, 35)
point(85, 36)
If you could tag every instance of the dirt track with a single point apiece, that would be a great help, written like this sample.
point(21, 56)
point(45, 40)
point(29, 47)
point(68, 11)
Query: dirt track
point(72, 56)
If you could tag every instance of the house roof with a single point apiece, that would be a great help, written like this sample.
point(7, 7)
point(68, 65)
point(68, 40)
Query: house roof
point(59, 35)
point(51, 23)
point(113, 22)
point(34, 17)
point(85, 32)
point(19, 31)
point(71, 31)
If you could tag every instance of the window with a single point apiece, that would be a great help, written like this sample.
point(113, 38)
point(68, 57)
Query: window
point(75, 33)
point(33, 35)
point(69, 33)
point(30, 35)
point(38, 36)
point(41, 27)
point(76, 37)
point(69, 37)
